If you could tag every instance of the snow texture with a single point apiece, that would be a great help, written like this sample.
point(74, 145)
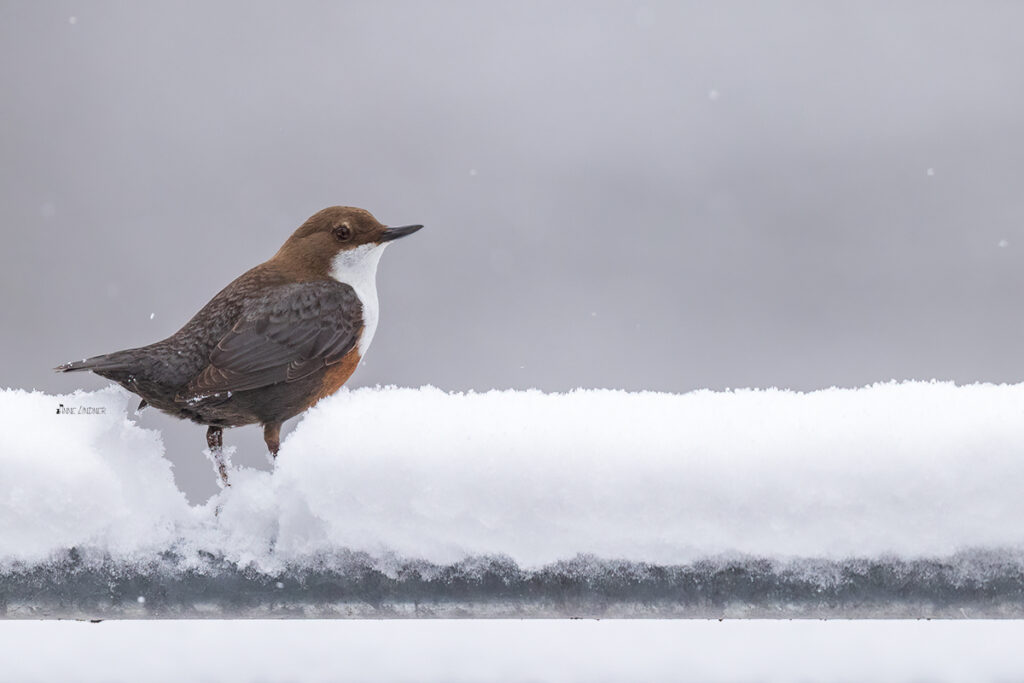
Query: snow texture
point(83, 480)
point(517, 482)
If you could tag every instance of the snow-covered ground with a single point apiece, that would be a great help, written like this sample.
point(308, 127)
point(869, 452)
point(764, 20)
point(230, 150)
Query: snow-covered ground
point(888, 475)
point(536, 651)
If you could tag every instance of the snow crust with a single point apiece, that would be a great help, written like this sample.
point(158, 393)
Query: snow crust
point(910, 469)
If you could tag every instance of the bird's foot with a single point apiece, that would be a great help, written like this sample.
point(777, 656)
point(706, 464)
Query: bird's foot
point(272, 437)
point(221, 459)
point(218, 455)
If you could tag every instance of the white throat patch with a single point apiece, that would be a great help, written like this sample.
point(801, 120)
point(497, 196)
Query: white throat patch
point(358, 269)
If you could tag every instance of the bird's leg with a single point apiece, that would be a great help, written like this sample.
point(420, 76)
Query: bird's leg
point(272, 435)
point(215, 440)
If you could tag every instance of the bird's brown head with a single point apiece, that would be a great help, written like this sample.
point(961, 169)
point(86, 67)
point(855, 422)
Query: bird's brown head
point(313, 248)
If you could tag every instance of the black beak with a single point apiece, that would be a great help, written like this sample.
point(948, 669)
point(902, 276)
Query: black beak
point(394, 233)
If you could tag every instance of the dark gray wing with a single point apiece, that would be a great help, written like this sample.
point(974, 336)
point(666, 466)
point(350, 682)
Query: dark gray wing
point(289, 333)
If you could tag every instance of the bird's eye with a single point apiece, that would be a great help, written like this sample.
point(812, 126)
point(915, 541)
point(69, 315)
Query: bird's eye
point(343, 232)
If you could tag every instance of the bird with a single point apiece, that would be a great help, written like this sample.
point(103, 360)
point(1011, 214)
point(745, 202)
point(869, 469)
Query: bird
point(273, 342)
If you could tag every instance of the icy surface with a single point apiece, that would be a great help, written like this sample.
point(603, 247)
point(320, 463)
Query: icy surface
point(517, 482)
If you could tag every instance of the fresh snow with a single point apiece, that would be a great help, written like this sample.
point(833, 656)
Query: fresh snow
point(71, 479)
point(912, 469)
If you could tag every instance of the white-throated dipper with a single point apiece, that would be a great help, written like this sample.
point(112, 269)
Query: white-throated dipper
point(273, 342)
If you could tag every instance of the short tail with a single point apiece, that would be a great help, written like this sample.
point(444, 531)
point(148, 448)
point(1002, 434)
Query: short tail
point(110, 361)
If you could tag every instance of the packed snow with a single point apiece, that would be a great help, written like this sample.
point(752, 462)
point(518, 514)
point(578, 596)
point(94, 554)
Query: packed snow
point(899, 470)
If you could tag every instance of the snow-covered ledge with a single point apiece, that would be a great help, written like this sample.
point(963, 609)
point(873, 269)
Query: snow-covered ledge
point(600, 488)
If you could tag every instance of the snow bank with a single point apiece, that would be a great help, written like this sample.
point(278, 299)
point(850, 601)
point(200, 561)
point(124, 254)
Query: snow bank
point(912, 469)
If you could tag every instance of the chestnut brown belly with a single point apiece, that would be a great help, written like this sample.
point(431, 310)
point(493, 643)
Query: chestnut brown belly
point(336, 375)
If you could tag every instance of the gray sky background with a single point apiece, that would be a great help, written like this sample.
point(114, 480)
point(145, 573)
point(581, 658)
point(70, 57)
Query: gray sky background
point(660, 196)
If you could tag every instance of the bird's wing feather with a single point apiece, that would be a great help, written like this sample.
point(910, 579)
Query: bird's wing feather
point(287, 334)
